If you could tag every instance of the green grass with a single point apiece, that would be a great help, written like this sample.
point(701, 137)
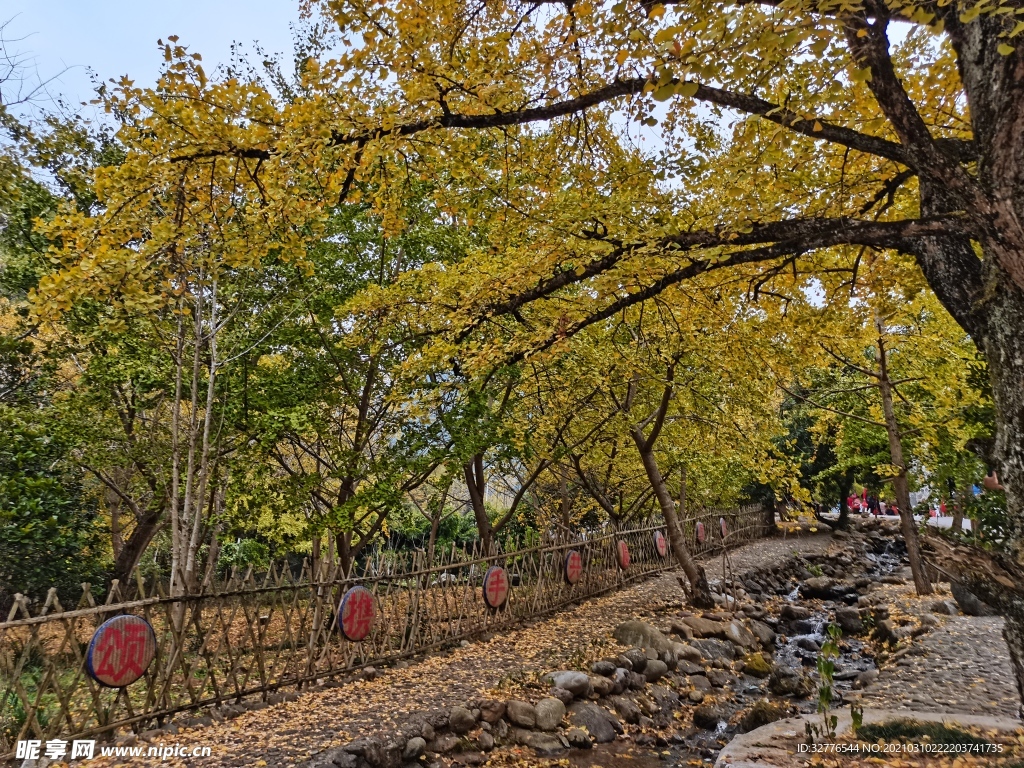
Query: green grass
point(905, 729)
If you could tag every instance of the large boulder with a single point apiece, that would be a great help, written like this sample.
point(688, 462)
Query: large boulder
point(764, 634)
point(642, 635)
point(821, 587)
point(970, 603)
point(492, 710)
point(626, 709)
point(655, 670)
point(787, 681)
point(849, 621)
point(709, 716)
point(599, 723)
point(762, 713)
point(461, 720)
point(755, 665)
point(544, 744)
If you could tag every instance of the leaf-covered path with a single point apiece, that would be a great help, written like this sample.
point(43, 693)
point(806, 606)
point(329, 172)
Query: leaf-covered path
point(289, 733)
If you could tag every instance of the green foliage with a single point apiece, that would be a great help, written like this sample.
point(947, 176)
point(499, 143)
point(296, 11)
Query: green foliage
point(243, 554)
point(826, 674)
point(49, 535)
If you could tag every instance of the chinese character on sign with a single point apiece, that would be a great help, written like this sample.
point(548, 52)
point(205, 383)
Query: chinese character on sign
point(28, 750)
point(56, 749)
point(121, 650)
point(495, 586)
point(83, 748)
point(357, 613)
point(573, 566)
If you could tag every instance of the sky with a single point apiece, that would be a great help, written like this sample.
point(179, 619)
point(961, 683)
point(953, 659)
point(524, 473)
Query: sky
point(64, 38)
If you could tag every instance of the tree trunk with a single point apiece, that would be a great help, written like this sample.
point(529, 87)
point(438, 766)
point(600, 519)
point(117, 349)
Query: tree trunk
point(700, 591)
point(477, 484)
point(907, 524)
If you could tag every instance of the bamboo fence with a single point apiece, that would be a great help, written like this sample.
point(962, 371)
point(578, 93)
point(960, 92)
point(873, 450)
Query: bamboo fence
point(254, 634)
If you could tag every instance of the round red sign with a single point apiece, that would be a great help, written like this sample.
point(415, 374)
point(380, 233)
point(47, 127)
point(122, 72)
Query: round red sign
point(700, 533)
point(623, 550)
point(120, 651)
point(495, 587)
point(723, 526)
point(660, 544)
point(357, 613)
point(573, 566)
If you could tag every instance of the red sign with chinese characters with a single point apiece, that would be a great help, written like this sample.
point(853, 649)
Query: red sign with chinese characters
point(623, 551)
point(573, 566)
point(495, 587)
point(723, 526)
point(120, 651)
point(357, 613)
point(660, 544)
point(701, 535)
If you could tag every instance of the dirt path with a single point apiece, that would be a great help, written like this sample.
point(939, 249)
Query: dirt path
point(289, 733)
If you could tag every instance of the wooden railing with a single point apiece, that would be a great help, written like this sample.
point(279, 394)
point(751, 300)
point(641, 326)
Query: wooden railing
point(252, 634)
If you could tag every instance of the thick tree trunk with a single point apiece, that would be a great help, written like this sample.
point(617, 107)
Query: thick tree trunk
point(700, 591)
point(476, 482)
point(907, 524)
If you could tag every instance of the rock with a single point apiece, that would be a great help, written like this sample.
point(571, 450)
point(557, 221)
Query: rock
point(333, 758)
point(886, 631)
point(544, 744)
point(791, 612)
point(684, 651)
point(603, 668)
point(786, 681)
point(637, 681)
point(762, 713)
point(642, 635)
point(637, 659)
point(755, 665)
point(576, 683)
point(945, 608)
point(375, 752)
point(715, 649)
point(670, 659)
point(719, 678)
point(626, 709)
point(681, 629)
point(521, 713)
point(849, 621)
point(620, 680)
point(549, 713)
point(624, 662)
point(866, 678)
point(485, 741)
point(656, 669)
point(492, 710)
point(705, 627)
point(695, 696)
point(969, 603)
point(414, 747)
point(597, 721)
point(443, 744)
point(808, 644)
point(689, 668)
point(578, 738)
point(708, 716)
point(739, 635)
point(562, 695)
point(820, 587)
point(700, 682)
point(461, 720)
point(928, 620)
point(602, 686)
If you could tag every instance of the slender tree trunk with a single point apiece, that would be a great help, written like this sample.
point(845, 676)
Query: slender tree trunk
point(476, 482)
point(700, 590)
point(907, 524)
point(957, 525)
point(563, 492)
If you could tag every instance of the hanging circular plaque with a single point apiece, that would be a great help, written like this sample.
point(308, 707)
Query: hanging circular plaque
point(120, 651)
point(356, 614)
point(701, 535)
point(573, 566)
point(660, 543)
point(623, 552)
point(723, 526)
point(495, 587)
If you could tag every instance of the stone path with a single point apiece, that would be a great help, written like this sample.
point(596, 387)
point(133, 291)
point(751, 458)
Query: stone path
point(964, 668)
point(289, 733)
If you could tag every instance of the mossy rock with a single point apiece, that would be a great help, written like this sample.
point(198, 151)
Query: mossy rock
point(756, 665)
point(762, 713)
